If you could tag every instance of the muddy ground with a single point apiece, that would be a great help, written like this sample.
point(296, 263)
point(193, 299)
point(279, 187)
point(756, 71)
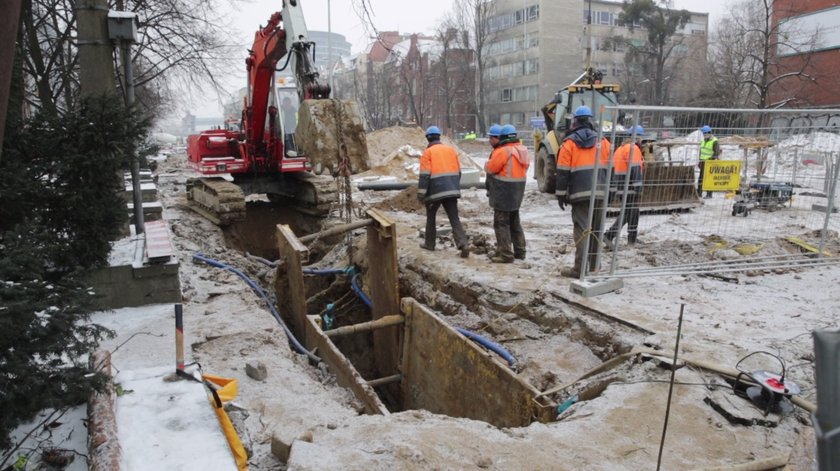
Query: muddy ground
point(555, 336)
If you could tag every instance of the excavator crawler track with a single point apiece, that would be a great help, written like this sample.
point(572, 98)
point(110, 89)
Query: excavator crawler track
point(217, 199)
point(307, 193)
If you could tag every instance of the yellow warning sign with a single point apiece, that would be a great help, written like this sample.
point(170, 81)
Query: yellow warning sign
point(722, 175)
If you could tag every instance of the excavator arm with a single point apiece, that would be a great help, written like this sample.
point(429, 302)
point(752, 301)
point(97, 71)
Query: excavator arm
point(303, 52)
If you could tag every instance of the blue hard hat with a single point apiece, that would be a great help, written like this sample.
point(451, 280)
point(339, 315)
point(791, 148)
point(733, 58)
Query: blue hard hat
point(494, 131)
point(640, 131)
point(583, 111)
point(706, 129)
point(433, 130)
point(508, 130)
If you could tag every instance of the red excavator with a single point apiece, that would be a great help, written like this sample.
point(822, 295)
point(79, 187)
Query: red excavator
point(273, 152)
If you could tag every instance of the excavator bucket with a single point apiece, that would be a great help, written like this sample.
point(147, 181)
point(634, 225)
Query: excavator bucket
point(330, 132)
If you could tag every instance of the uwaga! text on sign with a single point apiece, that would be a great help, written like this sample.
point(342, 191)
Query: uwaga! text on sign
point(722, 175)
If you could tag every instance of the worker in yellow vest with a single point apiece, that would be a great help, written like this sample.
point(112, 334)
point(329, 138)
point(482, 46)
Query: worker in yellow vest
point(709, 150)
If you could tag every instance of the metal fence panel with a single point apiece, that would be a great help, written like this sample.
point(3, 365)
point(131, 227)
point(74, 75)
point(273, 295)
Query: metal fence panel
point(781, 211)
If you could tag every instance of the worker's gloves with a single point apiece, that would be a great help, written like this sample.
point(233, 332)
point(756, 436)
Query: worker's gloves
point(561, 201)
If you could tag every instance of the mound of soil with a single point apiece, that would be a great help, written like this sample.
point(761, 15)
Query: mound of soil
point(405, 201)
point(396, 152)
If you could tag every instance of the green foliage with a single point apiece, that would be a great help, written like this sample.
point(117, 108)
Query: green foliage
point(659, 23)
point(60, 205)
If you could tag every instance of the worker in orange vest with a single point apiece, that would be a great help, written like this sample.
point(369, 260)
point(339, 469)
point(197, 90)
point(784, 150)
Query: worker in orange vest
point(628, 161)
point(440, 185)
point(576, 166)
point(507, 170)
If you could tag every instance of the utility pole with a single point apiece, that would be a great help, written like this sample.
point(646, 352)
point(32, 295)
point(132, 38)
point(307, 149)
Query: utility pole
point(96, 66)
point(8, 33)
point(122, 29)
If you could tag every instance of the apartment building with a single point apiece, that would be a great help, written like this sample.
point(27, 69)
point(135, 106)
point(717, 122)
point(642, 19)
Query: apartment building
point(537, 47)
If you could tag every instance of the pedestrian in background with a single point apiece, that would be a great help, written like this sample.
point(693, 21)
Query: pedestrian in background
point(440, 185)
point(507, 171)
point(628, 163)
point(576, 162)
point(709, 150)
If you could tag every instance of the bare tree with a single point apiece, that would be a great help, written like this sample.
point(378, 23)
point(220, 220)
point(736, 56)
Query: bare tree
point(471, 16)
point(182, 44)
point(747, 60)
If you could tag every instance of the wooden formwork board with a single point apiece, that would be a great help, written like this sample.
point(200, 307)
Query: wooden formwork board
point(344, 371)
point(384, 288)
point(289, 285)
point(445, 373)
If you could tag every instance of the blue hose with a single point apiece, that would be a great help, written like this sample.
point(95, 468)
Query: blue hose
point(297, 346)
point(354, 282)
point(489, 344)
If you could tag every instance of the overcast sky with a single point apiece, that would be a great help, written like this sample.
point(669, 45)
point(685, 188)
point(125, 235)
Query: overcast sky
point(416, 16)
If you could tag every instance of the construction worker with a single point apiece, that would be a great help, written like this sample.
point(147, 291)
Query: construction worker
point(628, 160)
point(507, 170)
point(439, 185)
point(493, 134)
point(709, 150)
point(576, 164)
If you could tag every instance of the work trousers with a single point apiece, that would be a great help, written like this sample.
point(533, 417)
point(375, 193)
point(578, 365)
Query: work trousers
point(582, 226)
point(631, 218)
point(450, 205)
point(702, 166)
point(508, 230)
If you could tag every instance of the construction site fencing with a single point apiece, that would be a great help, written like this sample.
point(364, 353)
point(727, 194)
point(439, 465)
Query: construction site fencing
point(769, 201)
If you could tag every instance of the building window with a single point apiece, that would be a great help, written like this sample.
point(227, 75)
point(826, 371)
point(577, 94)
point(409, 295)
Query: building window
point(604, 18)
point(532, 66)
point(506, 95)
point(533, 12)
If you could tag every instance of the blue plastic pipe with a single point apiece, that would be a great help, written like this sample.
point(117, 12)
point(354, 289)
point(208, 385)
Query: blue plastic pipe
point(489, 344)
point(294, 341)
point(354, 282)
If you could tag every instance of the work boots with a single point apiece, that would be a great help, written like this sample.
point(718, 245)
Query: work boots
point(500, 259)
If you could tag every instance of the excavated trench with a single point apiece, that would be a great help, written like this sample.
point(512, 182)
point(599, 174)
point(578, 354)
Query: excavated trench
point(552, 341)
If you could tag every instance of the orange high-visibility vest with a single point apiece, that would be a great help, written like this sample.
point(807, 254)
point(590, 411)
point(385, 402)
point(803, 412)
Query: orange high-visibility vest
point(440, 173)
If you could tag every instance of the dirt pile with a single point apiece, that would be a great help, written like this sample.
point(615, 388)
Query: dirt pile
point(396, 152)
point(405, 201)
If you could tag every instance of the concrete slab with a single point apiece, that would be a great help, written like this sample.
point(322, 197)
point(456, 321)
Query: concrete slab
point(589, 288)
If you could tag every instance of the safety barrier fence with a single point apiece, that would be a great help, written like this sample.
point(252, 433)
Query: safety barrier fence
point(769, 199)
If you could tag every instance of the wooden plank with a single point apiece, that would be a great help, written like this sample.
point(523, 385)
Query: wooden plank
point(384, 286)
point(289, 285)
point(446, 374)
point(345, 373)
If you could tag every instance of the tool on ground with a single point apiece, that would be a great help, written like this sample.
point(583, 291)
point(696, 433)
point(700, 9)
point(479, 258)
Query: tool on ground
point(772, 391)
point(769, 196)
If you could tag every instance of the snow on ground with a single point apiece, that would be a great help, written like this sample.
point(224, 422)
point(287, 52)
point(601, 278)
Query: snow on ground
point(183, 432)
point(160, 424)
point(226, 325)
